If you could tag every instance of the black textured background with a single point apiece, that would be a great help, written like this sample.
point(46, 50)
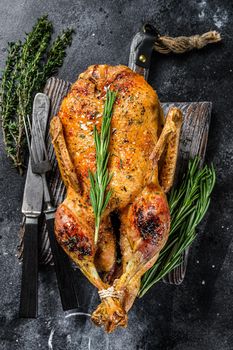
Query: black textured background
point(197, 315)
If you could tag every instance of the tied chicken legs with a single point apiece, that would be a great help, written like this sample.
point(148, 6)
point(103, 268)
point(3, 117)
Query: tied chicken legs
point(143, 152)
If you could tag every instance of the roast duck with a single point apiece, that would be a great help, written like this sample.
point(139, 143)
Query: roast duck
point(143, 152)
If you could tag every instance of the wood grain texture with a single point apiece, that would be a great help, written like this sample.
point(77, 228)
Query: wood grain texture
point(194, 132)
point(193, 141)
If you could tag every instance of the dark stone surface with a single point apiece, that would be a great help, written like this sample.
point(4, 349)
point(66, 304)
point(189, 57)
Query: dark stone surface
point(197, 315)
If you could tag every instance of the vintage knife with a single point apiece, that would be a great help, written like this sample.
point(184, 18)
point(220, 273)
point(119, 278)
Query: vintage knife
point(32, 208)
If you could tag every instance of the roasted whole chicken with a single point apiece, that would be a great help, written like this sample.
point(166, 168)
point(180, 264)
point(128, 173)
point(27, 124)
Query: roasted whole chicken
point(143, 152)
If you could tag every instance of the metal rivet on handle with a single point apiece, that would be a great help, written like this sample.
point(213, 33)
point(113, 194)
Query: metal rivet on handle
point(142, 58)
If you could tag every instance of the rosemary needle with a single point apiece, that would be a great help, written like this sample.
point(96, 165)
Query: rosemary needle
point(101, 178)
point(188, 204)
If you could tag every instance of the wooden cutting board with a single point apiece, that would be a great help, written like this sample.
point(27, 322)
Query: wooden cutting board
point(193, 141)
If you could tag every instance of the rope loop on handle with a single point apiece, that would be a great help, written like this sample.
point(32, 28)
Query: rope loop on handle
point(181, 44)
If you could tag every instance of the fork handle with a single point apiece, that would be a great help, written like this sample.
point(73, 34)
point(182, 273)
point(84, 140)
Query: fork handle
point(64, 271)
point(29, 282)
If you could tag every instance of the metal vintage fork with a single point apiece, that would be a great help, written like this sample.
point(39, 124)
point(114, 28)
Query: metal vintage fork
point(41, 165)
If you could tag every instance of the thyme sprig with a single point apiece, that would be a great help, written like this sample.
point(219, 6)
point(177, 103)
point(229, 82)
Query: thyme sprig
point(28, 66)
point(9, 100)
point(100, 179)
point(57, 53)
point(188, 205)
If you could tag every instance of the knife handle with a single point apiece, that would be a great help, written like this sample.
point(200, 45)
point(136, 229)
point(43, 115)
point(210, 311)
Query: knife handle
point(64, 271)
point(29, 281)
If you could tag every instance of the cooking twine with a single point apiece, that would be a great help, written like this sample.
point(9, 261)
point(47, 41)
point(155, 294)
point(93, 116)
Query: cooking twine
point(110, 292)
point(181, 44)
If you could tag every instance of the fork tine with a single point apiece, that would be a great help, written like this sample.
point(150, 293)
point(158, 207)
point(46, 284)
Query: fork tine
point(42, 140)
point(37, 144)
point(34, 153)
point(27, 136)
point(31, 150)
point(29, 124)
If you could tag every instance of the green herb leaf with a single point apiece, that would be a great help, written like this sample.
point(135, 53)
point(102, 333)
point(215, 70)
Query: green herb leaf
point(188, 205)
point(27, 68)
point(101, 178)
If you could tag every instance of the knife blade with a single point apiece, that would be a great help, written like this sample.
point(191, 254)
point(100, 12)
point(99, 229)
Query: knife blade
point(33, 190)
point(32, 208)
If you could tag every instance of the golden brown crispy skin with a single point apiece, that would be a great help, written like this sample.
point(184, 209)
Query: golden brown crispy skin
point(134, 128)
point(139, 138)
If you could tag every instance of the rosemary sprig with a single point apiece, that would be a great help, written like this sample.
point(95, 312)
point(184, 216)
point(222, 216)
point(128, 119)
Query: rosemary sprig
point(100, 179)
point(188, 205)
point(26, 71)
